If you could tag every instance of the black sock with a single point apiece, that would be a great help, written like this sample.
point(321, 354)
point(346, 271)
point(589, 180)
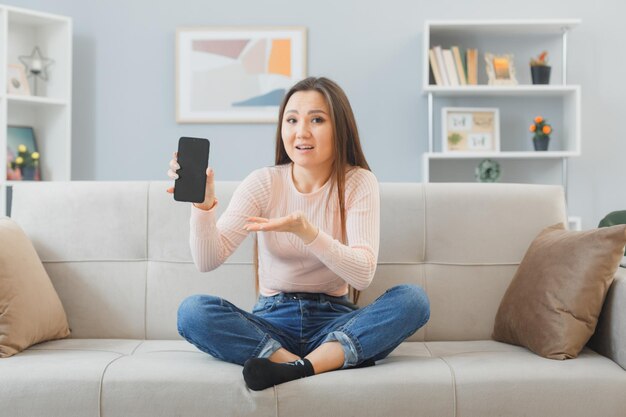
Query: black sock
point(261, 373)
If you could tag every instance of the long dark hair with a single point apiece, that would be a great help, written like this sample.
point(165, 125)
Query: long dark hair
point(347, 147)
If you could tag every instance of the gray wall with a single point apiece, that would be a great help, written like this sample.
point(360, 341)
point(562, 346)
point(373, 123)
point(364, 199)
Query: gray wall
point(124, 91)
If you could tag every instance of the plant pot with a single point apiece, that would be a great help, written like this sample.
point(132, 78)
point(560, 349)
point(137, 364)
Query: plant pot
point(540, 74)
point(28, 173)
point(541, 142)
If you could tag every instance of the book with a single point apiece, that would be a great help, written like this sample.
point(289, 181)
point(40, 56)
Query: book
point(434, 65)
point(472, 66)
point(450, 67)
point(442, 66)
point(459, 65)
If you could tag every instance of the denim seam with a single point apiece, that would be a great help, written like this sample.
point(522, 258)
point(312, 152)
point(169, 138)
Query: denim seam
point(348, 333)
point(356, 343)
point(266, 339)
point(253, 324)
point(411, 333)
point(202, 348)
point(358, 314)
point(352, 340)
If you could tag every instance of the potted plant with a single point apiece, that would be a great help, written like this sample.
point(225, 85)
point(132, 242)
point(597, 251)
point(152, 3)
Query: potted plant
point(454, 139)
point(542, 131)
point(25, 166)
point(539, 69)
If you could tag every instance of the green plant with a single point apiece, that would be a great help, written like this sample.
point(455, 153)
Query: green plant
point(25, 158)
point(540, 127)
point(487, 171)
point(540, 61)
point(454, 138)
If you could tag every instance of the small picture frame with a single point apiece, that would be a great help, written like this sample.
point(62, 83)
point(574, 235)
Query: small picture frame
point(470, 129)
point(500, 69)
point(17, 83)
point(29, 170)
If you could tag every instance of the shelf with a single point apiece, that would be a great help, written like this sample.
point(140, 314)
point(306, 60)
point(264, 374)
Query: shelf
point(497, 90)
point(517, 27)
point(10, 183)
point(33, 18)
point(49, 112)
point(501, 155)
point(12, 98)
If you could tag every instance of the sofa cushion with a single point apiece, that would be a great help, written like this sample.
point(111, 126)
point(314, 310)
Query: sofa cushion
point(121, 377)
point(55, 382)
point(30, 309)
point(554, 300)
point(493, 381)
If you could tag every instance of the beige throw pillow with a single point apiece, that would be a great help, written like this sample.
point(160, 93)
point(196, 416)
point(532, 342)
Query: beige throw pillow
point(30, 309)
point(554, 300)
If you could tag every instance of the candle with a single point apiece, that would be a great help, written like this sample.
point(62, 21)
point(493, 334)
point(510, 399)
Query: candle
point(35, 65)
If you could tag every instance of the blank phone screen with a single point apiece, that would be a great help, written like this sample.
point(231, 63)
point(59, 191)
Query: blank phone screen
point(193, 158)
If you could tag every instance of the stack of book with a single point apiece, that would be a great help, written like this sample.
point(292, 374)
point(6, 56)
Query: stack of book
point(449, 68)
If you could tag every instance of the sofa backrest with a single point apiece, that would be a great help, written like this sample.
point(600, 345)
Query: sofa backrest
point(118, 252)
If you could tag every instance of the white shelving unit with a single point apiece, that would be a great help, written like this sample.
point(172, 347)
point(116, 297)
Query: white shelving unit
point(50, 111)
point(558, 102)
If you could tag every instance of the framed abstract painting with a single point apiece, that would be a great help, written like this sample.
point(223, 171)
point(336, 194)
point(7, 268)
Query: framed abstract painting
point(236, 75)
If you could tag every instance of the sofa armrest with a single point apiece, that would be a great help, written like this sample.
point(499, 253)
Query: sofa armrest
point(609, 338)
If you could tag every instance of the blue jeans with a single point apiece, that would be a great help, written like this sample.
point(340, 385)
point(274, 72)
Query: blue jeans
point(219, 328)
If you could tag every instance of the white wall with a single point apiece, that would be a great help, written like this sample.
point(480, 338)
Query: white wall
point(124, 126)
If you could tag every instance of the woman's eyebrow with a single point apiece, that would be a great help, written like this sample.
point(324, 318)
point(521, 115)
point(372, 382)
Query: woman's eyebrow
point(310, 111)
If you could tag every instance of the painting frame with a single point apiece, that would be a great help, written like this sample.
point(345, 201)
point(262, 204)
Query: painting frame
point(500, 69)
point(17, 82)
point(236, 74)
point(22, 135)
point(470, 129)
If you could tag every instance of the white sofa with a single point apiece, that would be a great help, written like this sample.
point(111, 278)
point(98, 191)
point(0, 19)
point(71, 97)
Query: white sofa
point(118, 255)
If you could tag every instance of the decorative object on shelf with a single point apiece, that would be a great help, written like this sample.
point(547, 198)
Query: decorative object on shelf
point(470, 129)
point(36, 66)
point(500, 69)
point(487, 171)
point(541, 130)
point(235, 75)
point(539, 69)
point(17, 83)
point(23, 160)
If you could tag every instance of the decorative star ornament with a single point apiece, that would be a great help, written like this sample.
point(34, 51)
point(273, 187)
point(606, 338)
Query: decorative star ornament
point(36, 64)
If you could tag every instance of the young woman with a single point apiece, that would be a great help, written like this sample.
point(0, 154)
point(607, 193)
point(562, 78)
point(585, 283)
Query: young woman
point(317, 218)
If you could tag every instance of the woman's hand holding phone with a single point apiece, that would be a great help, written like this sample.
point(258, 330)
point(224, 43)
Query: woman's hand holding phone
point(209, 195)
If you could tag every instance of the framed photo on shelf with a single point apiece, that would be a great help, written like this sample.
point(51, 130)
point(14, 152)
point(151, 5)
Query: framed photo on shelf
point(236, 74)
point(500, 69)
point(23, 162)
point(17, 83)
point(470, 129)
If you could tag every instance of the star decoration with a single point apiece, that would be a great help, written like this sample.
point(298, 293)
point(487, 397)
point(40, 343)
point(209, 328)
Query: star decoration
point(36, 64)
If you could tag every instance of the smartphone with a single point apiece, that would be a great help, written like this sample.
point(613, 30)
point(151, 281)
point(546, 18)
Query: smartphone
point(193, 158)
